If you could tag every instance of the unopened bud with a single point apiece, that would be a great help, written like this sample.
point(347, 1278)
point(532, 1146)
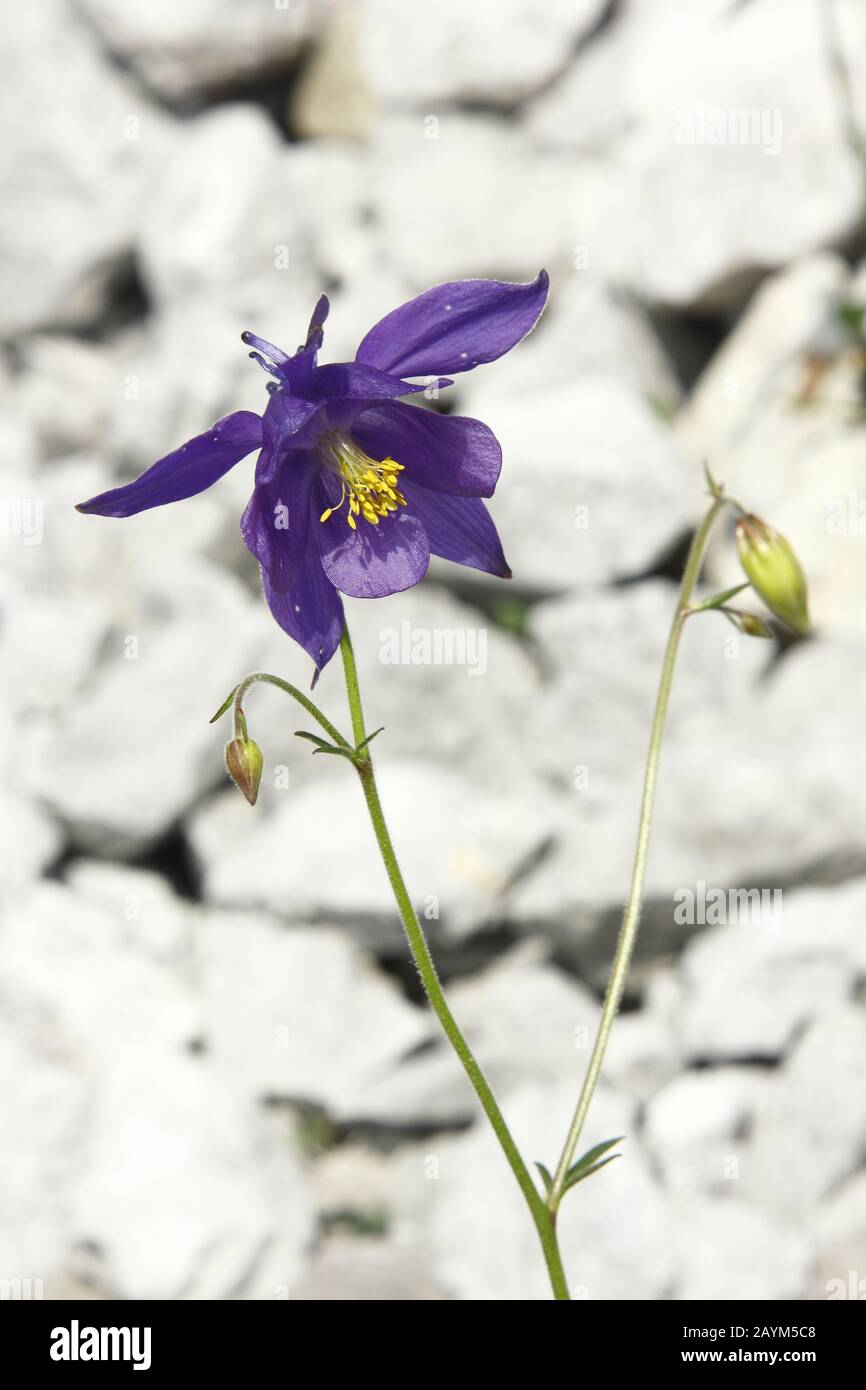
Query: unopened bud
point(750, 623)
point(774, 571)
point(244, 763)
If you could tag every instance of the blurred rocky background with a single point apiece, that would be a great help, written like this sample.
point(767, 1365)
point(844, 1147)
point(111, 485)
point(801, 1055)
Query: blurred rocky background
point(218, 1077)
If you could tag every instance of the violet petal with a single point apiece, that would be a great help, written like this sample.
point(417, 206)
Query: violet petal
point(276, 523)
point(459, 529)
point(193, 467)
point(447, 453)
point(371, 561)
point(454, 327)
point(311, 612)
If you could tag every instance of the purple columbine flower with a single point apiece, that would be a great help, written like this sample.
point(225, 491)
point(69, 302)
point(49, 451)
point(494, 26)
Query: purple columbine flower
point(354, 490)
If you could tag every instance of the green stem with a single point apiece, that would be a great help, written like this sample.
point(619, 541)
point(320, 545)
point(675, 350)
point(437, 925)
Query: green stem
point(631, 915)
point(543, 1218)
point(296, 694)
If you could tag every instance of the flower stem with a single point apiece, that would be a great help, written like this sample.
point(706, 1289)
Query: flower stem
point(631, 915)
point(543, 1218)
point(237, 700)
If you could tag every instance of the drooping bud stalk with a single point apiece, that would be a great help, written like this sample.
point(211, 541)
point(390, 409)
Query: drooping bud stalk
point(244, 760)
point(774, 571)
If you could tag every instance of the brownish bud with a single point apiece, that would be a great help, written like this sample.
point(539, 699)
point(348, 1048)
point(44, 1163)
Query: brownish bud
point(244, 763)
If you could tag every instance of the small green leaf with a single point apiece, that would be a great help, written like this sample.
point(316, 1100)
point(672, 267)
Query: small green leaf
point(545, 1176)
point(719, 600)
point(224, 706)
point(715, 488)
point(591, 1161)
point(322, 745)
point(369, 739)
point(575, 1178)
point(313, 738)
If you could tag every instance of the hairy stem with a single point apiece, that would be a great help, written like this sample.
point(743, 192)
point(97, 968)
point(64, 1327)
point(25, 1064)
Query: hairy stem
point(237, 700)
point(631, 915)
point(543, 1218)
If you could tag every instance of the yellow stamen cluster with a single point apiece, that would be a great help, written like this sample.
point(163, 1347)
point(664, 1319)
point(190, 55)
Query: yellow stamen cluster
point(369, 487)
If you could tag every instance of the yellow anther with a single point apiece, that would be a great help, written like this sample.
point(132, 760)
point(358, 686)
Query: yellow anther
point(369, 487)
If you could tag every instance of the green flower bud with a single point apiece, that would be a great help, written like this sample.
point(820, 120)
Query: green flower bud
point(244, 763)
point(774, 571)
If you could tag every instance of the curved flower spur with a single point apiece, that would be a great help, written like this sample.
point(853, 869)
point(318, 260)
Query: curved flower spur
point(354, 488)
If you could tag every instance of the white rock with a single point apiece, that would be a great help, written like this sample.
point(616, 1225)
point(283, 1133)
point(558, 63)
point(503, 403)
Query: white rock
point(301, 1015)
point(64, 392)
point(50, 647)
point(589, 328)
point(603, 650)
point(75, 965)
point(840, 1232)
point(764, 813)
point(612, 1227)
point(222, 217)
point(467, 684)
point(186, 51)
point(329, 181)
point(811, 1133)
point(696, 1127)
point(149, 916)
point(44, 1119)
point(331, 97)
point(353, 1270)
point(642, 1053)
point(735, 811)
point(728, 1249)
point(459, 196)
point(185, 1189)
point(29, 840)
point(722, 173)
point(352, 1179)
point(315, 855)
point(618, 635)
point(525, 1022)
point(783, 797)
point(86, 146)
point(121, 765)
point(780, 972)
point(169, 389)
point(493, 51)
point(593, 486)
point(59, 553)
point(789, 446)
point(149, 1155)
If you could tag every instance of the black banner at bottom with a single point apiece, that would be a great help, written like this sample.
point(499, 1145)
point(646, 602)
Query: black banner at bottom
point(159, 1339)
